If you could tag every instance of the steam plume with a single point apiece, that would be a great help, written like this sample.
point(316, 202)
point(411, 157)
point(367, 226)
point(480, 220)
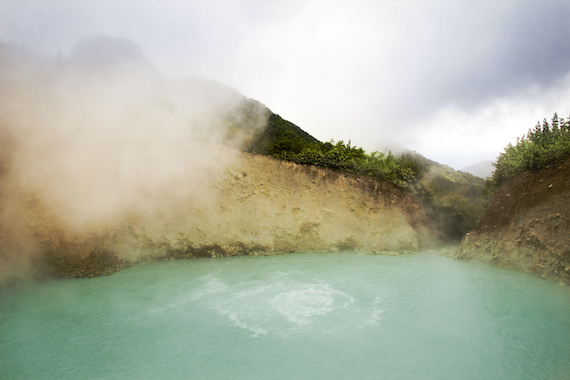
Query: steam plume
point(92, 140)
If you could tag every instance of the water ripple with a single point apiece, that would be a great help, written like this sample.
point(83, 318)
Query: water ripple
point(309, 300)
point(281, 306)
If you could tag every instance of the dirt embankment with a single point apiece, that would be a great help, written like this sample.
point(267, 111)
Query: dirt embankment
point(527, 225)
point(257, 205)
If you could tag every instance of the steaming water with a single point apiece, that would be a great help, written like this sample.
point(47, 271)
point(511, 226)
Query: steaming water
point(306, 316)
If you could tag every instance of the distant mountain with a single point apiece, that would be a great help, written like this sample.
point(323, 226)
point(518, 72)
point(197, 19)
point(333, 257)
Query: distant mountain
point(483, 169)
point(109, 53)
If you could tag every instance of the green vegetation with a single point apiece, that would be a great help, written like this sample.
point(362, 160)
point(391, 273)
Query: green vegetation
point(284, 140)
point(453, 200)
point(541, 146)
point(400, 171)
point(281, 136)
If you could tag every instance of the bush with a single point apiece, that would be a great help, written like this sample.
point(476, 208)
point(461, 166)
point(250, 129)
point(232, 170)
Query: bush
point(284, 140)
point(400, 171)
point(541, 146)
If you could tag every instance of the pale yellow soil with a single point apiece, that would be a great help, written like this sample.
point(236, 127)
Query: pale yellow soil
point(527, 225)
point(255, 205)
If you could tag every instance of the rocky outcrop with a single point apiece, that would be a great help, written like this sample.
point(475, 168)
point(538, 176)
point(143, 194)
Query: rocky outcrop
point(104, 163)
point(527, 225)
point(256, 206)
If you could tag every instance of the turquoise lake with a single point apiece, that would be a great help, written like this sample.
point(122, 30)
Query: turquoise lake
point(298, 316)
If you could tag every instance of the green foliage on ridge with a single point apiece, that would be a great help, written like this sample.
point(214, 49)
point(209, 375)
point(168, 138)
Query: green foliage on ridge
point(400, 171)
point(284, 140)
point(281, 135)
point(541, 146)
point(453, 200)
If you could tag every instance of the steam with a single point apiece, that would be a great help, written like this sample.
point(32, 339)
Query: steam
point(85, 146)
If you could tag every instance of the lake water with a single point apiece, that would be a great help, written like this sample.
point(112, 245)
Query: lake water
point(299, 316)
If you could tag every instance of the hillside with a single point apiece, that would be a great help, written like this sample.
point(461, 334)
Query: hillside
point(453, 200)
point(483, 169)
point(256, 205)
point(526, 226)
point(103, 163)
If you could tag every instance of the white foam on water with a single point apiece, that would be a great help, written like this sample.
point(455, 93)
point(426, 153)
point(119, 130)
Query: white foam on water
point(245, 306)
point(376, 311)
point(212, 285)
point(255, 331)
point(258, 319)
point(281, 306)
point(308, 301)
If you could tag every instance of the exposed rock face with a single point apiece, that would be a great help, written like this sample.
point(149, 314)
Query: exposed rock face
point(256, 206)
point(104, 163)
point(527, 225)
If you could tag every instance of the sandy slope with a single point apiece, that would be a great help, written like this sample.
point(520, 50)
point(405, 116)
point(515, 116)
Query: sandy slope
point(256, 205)
point(527, 225)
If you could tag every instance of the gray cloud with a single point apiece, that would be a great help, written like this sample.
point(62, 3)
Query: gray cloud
point(366, 70)
point(530, 49)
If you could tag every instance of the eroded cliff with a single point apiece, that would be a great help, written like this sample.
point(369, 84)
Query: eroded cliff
point(104, 162)
point(527, 225)
point(256, 205)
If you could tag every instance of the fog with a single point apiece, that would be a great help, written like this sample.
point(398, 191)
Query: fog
point(105, 162)
point(453, 80)
point(101, 136)
point(98, 135)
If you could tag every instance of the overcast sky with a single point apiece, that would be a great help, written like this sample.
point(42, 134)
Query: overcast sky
point(454, 80)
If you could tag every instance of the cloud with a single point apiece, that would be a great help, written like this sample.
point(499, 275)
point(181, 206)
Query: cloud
point(98, 135)
point(462, 136)
point(369, 71)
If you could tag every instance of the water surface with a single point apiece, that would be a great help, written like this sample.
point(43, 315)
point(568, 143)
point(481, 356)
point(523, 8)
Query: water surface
point(302, 316)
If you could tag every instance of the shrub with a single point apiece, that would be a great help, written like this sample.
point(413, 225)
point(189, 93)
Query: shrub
point(400, 171)
point(541, 146)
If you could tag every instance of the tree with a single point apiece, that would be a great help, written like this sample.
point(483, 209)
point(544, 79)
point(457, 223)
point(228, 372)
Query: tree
point(541, 146)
